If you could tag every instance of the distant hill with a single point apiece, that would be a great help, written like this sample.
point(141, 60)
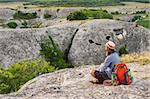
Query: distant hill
point(69, 3)
point(142, 1)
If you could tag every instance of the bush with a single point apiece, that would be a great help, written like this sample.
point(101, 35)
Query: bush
point(21, 15)
point(137, 17)
point(116, 13)
point(141, 12)
point(19, 73)
point(89, 14)
point(77, 15)
point(12, 25)
point(46, 16)
point(123, 50)
point(51, 52)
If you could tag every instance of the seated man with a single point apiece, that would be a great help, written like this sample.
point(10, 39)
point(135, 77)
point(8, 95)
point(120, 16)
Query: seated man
point(106, 69)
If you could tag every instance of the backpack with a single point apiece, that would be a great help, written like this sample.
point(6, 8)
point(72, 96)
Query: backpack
point(121, 75)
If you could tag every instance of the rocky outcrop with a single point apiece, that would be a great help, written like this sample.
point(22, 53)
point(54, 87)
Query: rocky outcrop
point(63, 13)
point(6, 14)
point(19, 44)
point(74, 84)
point(82, 52)
point(63, 34)
point(128, 10)
point(73, 39)
point(126, 18)
point(56, 13)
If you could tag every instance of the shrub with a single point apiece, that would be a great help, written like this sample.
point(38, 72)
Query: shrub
point(89, 14)
point(123, 50)
point(21, 15)
point(51, 52)
point(137, 17)
point(116, 13)
point(46, 16)
point(12, 25)
point(77, 15)
point(21, 72)
point(141, 12)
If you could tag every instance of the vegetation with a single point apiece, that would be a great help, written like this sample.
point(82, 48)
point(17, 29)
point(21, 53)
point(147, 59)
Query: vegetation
point(145, 22)
point(19, 73)
point(36, 25)
point(136, 17)
point(123, 50)
point(47, 16)
point(78, 15)
point(141, 12)
point(70, 3)
point(24, 24)
point(76, 2)
point(141, 58)
point(89, 14)
point(21, 15)
point(12, 25)
point(116, 13)
point(51, 52)
point(142, 1)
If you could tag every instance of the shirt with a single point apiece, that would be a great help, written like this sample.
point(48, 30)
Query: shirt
point(109, 63)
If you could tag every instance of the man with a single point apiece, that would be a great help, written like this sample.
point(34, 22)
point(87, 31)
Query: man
point(106, 69)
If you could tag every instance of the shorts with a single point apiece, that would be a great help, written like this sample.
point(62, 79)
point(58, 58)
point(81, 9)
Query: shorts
point(101, 76)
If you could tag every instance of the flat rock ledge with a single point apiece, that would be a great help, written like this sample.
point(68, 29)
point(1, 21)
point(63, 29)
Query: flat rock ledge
point(74, 84)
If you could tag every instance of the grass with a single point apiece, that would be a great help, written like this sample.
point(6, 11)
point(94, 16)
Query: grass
point(145, 22)
point(70, 3)
point(141, 58)
point(128, 5)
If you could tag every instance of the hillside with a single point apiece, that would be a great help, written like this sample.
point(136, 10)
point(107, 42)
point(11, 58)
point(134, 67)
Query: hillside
point(70, 3)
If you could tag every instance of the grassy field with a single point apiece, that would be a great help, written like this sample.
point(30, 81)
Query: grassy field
point(75, 3)
point(145, 22)
point(127, 5)
point(11, 5)
point(141, 58)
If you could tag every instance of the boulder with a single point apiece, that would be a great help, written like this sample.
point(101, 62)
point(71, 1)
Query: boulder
point(19, 44)
point(63, 34)
point(6, 14)
point(82, 52)
point(73, 39)
point(74, 84)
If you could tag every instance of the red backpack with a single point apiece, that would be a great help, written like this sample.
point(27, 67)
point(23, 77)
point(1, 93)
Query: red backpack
point(121, 75)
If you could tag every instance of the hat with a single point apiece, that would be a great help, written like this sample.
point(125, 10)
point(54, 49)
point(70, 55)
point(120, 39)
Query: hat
point(110, 45)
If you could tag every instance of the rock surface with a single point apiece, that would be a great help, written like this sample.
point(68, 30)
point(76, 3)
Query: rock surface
point(63, 34)
point(73, 39)
point(74, 84)
point(6, 14)
point(19, 44)
point(82, 52)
